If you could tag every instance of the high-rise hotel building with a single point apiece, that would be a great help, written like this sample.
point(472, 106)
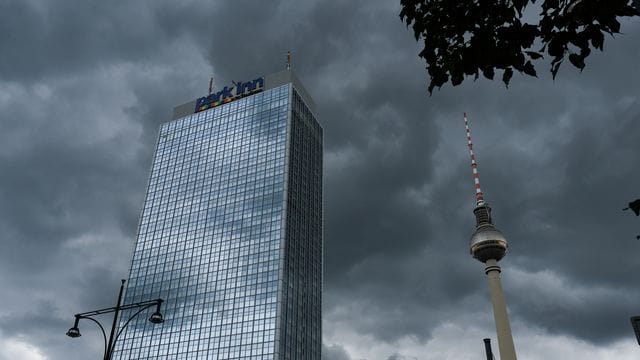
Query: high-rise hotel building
point(230, 235)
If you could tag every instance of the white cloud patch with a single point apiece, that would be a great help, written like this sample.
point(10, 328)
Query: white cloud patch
point(460, 340)
point(19, 349)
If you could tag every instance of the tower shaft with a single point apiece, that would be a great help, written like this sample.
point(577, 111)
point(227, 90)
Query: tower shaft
point(505, 339)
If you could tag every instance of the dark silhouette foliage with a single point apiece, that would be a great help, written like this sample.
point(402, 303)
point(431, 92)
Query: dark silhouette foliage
point(634, 206)
point(469, 37)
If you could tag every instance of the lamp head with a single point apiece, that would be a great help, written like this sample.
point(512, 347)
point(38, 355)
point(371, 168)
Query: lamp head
point(156, 318)
point(74, 332)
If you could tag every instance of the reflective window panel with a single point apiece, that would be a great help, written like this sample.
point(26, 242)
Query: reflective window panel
point(230, 236)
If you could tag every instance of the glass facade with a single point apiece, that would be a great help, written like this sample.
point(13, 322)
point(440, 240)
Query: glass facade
point(300, 330)
point(231, 235)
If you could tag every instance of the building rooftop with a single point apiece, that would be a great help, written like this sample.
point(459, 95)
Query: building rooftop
point(270, 81)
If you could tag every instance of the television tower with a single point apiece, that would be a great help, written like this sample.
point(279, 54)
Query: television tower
point(488, 245)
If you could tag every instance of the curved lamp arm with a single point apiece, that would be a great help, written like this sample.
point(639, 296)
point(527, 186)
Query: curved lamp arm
point(110, 345)
point(131, 318)
point(104, 335)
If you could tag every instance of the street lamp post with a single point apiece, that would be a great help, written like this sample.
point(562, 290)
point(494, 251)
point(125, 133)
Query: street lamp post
point(487, 349)
point(109, 345)
point(635, 323)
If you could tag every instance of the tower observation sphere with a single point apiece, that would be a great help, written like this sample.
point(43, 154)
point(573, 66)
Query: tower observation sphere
point(487, 242)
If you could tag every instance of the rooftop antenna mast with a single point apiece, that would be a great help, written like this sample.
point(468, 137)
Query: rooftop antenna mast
point(210, 84)
point(488, 245)
point(288, 60)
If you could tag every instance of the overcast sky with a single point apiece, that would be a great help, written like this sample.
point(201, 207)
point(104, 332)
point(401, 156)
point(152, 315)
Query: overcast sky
point(84, 86)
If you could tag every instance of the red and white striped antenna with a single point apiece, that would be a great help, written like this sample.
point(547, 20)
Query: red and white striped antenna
point(474, 165)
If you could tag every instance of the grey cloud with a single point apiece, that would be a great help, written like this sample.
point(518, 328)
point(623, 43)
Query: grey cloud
point(43, 40)
point(556, 161)
point(334, 352)
point(400, 357)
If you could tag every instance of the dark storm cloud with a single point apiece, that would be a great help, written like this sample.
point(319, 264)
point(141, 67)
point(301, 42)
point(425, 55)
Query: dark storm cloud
point(576, 228)
point(401, 357)
point(53, 178)
point(84, 87)
point(86, 84)
point(41, 40)
point(334, 352)
point(595, 160)
point(557, 186)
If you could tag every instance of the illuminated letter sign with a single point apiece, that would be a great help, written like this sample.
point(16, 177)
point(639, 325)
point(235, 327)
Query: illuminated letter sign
point(227, 94)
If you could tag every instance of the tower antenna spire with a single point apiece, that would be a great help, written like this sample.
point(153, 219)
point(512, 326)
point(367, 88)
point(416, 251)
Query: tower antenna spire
point(210, 84)
point(474, 164)
point(288, 60)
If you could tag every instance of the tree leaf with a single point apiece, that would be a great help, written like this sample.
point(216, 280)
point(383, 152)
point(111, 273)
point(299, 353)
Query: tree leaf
point(488, 72)
point(534, 55)
point(506, 76)
point(456, 78)
point(576, 60)
point(597, 39)
point(555, 66)
point(529, 69)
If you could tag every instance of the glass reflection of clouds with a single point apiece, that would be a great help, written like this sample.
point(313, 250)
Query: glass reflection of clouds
point(210, 234)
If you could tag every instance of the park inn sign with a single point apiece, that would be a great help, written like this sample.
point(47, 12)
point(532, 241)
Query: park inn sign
point(227, 94)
